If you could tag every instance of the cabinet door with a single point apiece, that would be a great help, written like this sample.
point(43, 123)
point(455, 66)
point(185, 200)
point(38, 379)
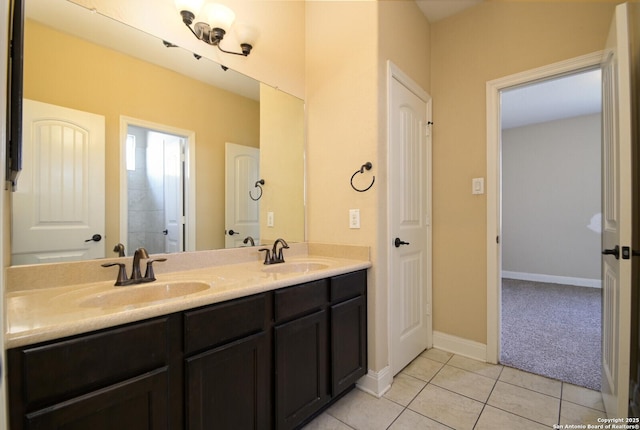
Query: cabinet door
point(301, 369)
point(229, 387)
point(348, 343)
point(136, 404)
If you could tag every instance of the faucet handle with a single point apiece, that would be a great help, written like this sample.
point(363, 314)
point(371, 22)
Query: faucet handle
point(267, 257)
point(149, 276)
point(122, 273)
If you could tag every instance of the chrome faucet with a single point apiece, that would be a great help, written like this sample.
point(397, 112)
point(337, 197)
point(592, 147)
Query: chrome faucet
point(274, 256)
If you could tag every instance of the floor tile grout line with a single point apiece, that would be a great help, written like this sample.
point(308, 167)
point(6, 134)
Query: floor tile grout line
point(485, 403)
point(488, 397)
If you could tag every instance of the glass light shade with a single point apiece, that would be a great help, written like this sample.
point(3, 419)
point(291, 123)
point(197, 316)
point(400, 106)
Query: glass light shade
point(246, 33)
point(192, 6)
point(218, 16)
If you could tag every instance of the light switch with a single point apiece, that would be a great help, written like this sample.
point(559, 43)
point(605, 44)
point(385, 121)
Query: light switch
point(354, 218)
point(269, 219)
point(477, 186)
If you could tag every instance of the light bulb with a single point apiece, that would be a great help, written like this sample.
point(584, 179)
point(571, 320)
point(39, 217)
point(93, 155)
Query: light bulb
point(219, 16)
point(192, 6)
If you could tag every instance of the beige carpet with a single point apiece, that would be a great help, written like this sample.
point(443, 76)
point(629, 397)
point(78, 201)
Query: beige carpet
point(552, 330)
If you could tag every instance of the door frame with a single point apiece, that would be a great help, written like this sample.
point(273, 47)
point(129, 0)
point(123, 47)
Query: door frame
point(395, 73)
point(494, 180)
point(189, 197)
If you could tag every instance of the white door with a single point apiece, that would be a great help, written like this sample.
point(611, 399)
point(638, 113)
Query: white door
point(58, 208)
point(241, 211)
point(173, 193)
point(409, 219)
point(616, 201)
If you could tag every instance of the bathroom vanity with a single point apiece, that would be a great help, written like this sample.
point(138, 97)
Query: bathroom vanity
point(269, 359)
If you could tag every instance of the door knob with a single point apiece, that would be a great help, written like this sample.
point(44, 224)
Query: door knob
point(614, 251)
point(165, 232)
point(231, 232)
point(399, 242)
point(94, 238)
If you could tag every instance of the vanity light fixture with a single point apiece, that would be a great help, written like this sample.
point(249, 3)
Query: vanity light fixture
point(217, 21)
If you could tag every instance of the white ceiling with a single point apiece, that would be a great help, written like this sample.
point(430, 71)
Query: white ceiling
point(549, 100)
point(436, 10)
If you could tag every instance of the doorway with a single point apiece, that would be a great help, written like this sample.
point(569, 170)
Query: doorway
point(494, 182)
point(551, 227)
point(157, 193)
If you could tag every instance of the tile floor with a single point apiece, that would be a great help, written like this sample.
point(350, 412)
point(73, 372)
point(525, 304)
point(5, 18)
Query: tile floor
point(439, 390)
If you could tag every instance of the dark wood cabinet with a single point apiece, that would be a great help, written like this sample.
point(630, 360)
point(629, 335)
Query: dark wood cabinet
point(96, 380)
point(136, 404)
point(348, 330)
point(348, 343)
point(229, 385)
point(301, 382)
point(320, 344)
point(270, 360)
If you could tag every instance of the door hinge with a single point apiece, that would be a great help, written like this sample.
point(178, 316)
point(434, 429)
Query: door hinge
point(427, 128)
point(498, 239)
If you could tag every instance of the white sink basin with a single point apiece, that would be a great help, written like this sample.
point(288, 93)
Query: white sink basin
point(143, 293)
point(296, 267)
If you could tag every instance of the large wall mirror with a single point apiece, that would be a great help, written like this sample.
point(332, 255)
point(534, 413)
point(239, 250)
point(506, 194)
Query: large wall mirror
point(172, 123)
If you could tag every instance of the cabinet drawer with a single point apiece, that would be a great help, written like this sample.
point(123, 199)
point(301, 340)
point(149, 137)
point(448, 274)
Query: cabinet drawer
point(71, 367)
point(224, 322)
point(297, 300)
point(139, 403)
point(348, 285)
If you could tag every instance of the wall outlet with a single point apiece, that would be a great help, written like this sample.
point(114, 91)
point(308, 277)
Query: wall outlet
point(269, 219)
point(354, 218)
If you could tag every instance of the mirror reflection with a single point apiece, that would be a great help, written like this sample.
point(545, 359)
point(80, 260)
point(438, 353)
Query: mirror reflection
point(170, 116)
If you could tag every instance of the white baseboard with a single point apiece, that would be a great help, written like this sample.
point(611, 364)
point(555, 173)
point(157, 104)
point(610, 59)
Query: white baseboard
point(376, 383)
point(553, 279)
point(460, 346)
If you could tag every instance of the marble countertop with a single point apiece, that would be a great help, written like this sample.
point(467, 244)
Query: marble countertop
point(41, 314)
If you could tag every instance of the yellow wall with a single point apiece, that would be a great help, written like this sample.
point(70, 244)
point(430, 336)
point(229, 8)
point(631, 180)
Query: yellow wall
point(488, 41)
point(281, 159)
point(347, 47)
point(70, 72)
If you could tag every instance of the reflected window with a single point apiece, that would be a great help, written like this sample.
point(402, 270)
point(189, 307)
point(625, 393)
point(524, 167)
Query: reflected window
point(131, 152)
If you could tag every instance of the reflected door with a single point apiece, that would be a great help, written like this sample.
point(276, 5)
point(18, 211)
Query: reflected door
point(58, 207)
point(242, 212)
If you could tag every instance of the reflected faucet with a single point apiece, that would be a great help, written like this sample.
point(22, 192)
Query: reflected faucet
point(249, 239)
point(119, 248)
